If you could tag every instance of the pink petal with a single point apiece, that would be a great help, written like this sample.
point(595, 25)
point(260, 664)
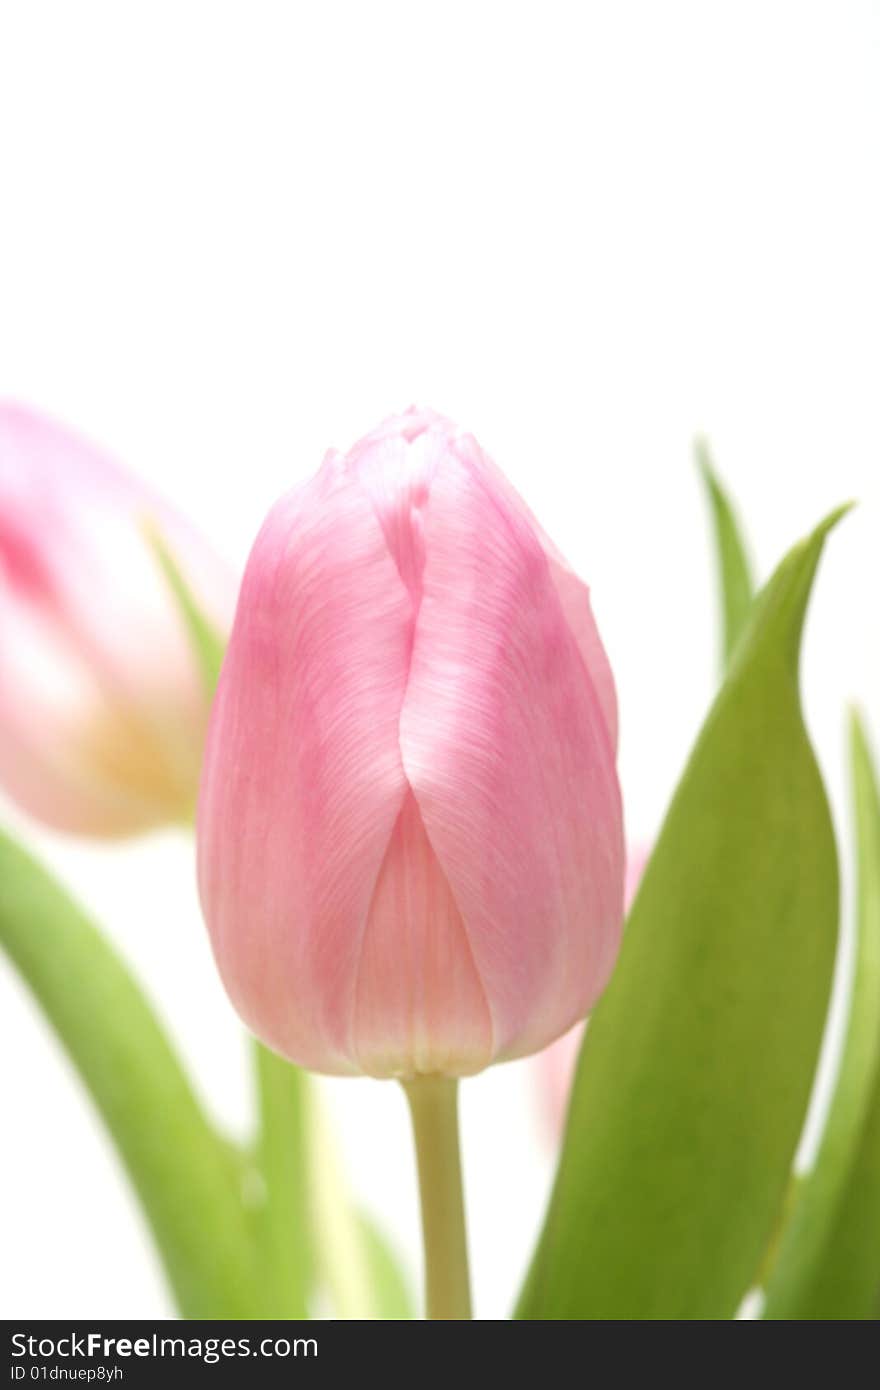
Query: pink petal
point(555, 1066)
point(509, 755)
point(555, 1071)
point(51, 717)
point(72, 522)
point(303, 782)
point(421, 1006)
point(574, 595)
point(102, 708)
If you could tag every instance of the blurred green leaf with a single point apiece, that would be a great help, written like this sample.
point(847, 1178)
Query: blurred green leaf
point(357, 1269)
point(828, 1263)
point(391, 1296)
point(206, 642)
point(735, 586)
point(283, 1210)
point(697, 1066)
point(182, 1171)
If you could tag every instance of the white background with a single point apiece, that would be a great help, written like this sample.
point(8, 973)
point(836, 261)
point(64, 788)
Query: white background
point(234, 234)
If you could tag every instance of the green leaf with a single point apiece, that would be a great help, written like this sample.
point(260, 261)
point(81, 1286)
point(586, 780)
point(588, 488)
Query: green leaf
point(391, 1296)
point(309, 1230)
point(828, 1264)
point(182, 1171)
point(357, 1268)
point(698, 1063)
point(281, 1162)
point(206, 642)
point(735, 586)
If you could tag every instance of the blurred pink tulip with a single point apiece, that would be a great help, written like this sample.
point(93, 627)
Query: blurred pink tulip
point(102, 713)
point(555, 1066)
point(410, 831)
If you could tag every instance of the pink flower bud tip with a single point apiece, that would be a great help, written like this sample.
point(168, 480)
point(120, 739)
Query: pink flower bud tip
point(410, 834)
point(102, 712)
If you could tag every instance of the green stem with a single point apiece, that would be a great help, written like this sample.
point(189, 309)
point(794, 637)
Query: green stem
point(433, 1103)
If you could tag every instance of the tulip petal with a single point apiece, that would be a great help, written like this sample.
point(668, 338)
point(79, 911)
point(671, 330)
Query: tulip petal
point(421, 1006)
point(574, 596)
point(574, 599)
point(102, 714)
point(509, 755)
point(303, 781)
point(71, 524)
point(43, 693)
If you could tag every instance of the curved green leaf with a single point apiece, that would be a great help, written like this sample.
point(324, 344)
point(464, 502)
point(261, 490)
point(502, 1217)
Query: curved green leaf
point(697, 1066)
point(735, 586)
point(828, 1262)
point(183, 1172)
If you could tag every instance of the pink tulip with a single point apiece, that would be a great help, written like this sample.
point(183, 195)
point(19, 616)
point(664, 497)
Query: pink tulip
point(556, 1065)
point(410, 831)
point(102, 713)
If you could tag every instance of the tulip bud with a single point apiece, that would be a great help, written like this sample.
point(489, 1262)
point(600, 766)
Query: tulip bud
point(102, 712)
point(555, 1066)
point(410, 832)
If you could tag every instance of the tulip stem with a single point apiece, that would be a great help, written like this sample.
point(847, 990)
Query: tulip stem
point(433, 1104)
